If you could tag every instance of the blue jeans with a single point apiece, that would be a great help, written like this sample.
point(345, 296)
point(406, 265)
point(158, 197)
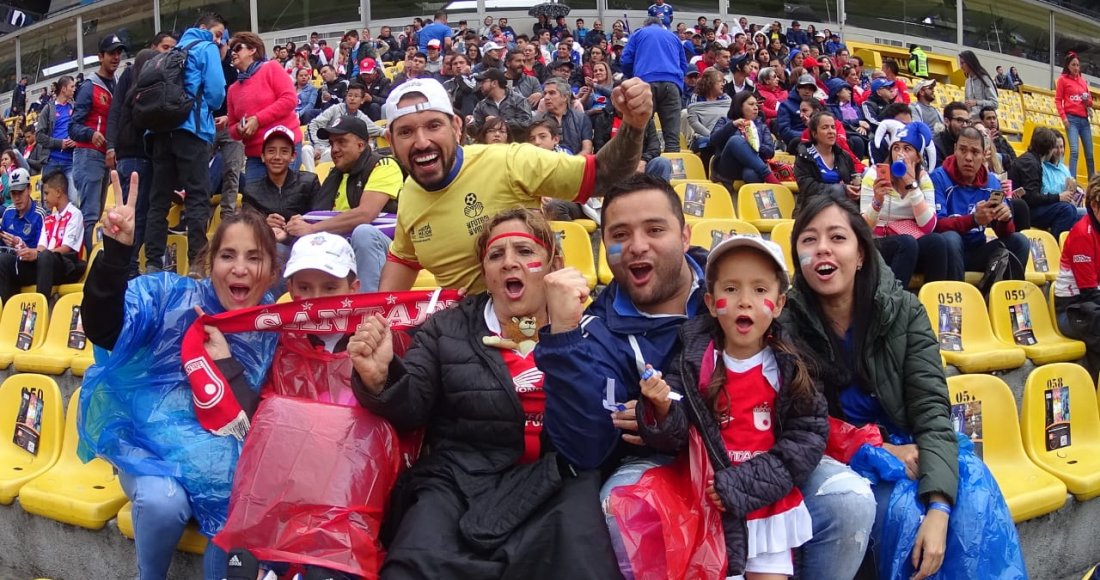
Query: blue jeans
point(143, 166)
point(370, 246)
point(254, 171)
point(976, 258)
point(929, 255)
point(659, 167)
point(161, 512)
point(89, 168)
point(737, 161)
point(67, 170)
point(842, 508)
point(1055, 217)
point(1079, 128)
point(627, 474)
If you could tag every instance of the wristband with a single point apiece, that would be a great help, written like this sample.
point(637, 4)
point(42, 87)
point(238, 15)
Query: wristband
point(876, 205)
point(937, 505)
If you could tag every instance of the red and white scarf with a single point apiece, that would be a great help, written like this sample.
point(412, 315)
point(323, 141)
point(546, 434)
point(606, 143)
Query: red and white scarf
point(218, 410)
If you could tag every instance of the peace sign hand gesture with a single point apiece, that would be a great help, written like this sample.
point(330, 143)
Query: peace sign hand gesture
point(118, 224)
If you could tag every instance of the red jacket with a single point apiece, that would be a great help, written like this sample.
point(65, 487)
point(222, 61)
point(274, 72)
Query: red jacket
point(1072, 97)
point(90, 110)
point(772, 98)
point(269, 96)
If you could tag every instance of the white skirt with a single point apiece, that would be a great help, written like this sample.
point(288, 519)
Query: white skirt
point(780, 532)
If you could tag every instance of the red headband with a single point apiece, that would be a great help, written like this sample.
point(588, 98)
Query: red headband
point(516, 234)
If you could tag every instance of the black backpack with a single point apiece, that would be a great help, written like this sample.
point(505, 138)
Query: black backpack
point(1002, 265)
point(158, 100)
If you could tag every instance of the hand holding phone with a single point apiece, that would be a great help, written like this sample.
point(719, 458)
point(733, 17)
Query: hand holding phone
point(996, 197)
point(882, 171)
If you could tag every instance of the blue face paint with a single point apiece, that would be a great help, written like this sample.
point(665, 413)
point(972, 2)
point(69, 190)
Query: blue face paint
point(614, 253)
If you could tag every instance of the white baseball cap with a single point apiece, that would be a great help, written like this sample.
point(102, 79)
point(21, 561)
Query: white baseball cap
point(329, 253)
point(485, 48)
point(430, 89)
point(19, 179)
point(768, 247)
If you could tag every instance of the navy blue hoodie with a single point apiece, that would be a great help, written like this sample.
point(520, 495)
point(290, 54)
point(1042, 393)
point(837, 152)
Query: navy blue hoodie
point(578, 363)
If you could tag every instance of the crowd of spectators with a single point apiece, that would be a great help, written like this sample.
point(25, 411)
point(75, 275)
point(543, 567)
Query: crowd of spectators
point(428, 128)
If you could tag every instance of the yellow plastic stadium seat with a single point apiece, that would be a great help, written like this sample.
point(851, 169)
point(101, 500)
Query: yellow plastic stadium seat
point(1020, 316)
point(764, 205)
point(284, 298)
point(175, 250)
point(1062, 240)
point(706, 233)
point(704, 200)
point(22, 326)
point(425, 280)
point(1061, 429)
point(36, 188)
point(1045, 256)
point(78, 286)
point(588, 225)
point(781, 234)
point(983, 409)
point(322, 170)
point(960, 320)
point(603, 272)
point(26, 428)
point(686, 165)
point(64, 340)
point(74, 492)
point(192, 541)
point(576, 249)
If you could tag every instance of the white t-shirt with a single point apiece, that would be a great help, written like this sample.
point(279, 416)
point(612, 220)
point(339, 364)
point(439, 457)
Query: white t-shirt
point(63, 228)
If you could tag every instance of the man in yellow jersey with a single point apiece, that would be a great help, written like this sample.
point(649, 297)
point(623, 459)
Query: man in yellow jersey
point(452, 190)
point(361, 185)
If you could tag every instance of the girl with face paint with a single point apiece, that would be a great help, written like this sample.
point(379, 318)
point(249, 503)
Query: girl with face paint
point(751, 396)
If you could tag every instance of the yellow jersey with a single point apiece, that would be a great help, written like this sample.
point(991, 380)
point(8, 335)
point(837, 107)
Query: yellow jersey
point(437, 229)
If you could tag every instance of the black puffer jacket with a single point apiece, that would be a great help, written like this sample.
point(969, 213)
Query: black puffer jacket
point(802, 428)
point(299, 194)
point(518, 515)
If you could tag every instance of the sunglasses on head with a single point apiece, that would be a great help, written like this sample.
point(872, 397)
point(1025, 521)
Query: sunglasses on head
point(239, 48)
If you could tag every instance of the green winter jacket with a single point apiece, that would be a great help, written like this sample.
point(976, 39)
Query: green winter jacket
point(906, 372)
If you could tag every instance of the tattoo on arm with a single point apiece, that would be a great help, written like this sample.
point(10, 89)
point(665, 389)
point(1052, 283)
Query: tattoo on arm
point(619, 157)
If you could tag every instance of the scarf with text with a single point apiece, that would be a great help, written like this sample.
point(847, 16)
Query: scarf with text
point(216, 406)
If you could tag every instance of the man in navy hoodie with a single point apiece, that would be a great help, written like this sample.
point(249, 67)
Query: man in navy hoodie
point(658, 284)
point(654, 54)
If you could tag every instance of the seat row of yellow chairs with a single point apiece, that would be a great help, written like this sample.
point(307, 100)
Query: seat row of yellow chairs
point(1018, 323)
point(34, 339)
point(1051, 447)
point(53, 482)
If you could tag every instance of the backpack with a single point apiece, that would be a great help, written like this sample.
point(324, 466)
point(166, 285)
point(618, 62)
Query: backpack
point(158, 101)
point(1002, 265)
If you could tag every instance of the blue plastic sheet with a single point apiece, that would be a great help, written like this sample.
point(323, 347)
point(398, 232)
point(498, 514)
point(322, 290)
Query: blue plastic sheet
point(981, 536)
point(135, 404)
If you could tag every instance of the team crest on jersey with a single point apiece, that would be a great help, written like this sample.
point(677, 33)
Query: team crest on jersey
point(762, 417)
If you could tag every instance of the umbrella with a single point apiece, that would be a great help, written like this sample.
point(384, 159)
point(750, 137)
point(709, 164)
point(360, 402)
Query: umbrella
point(550, 9)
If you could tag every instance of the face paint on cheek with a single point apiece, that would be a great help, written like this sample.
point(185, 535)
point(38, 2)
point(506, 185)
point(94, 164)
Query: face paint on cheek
point(805, 259)
point(534, 266)
point(720, 306)
point(615, 253)
point(769, 306)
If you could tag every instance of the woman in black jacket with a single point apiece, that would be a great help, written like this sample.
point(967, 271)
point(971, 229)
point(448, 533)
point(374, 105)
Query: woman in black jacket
point(822, 167)
point(492, 499)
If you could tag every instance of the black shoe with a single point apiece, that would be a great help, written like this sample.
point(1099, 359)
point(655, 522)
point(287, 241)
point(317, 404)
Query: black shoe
point(179, 229)
point(319, 573)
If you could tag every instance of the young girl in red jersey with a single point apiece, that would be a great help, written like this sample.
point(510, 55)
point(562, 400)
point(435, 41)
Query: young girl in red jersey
point(748, 392)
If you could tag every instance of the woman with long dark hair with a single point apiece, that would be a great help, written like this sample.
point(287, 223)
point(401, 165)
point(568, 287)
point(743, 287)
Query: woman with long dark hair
point(744, 144)
point(980, 90)
point(1074, 102)
point(878, 360)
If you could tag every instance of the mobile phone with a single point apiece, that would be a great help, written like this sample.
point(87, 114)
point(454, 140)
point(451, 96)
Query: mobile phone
point(996, 197)
point(882, 171)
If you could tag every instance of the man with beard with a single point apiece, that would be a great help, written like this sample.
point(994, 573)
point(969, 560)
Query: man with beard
point(452, 191)
point(658, 284)
point(361, 185)
point(520, 82)
point(462, 86)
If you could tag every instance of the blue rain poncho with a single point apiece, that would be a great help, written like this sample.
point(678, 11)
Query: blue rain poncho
point(135, 404)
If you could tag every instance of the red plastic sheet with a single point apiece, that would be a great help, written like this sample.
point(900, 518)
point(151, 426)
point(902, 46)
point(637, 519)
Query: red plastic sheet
point(845, 439)
point(311, 486)
point(670, 529)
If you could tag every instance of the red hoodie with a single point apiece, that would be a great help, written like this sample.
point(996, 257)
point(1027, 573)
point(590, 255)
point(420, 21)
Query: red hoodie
point(1072, 97)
